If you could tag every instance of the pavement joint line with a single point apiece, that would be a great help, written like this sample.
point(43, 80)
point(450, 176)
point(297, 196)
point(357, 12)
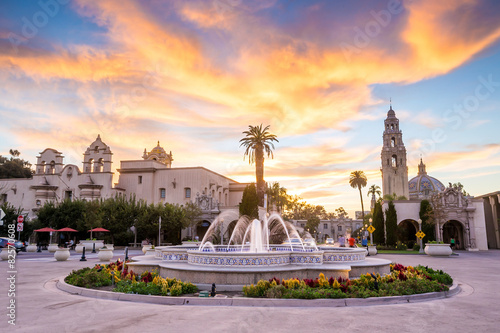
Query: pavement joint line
point(254, 302)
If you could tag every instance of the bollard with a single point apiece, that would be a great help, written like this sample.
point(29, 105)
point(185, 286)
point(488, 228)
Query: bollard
point(83, 255)
point(112, 278)
point(93, 248)
point(367, 252)
point(126, 253)
point(212, 293)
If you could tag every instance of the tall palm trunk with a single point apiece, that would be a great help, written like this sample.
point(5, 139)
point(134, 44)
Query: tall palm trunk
point(259, 173)
point(362, 206)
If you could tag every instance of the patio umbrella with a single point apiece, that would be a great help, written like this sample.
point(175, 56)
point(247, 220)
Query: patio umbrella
point(46, 229)
point(97, 230)
point(67, 230)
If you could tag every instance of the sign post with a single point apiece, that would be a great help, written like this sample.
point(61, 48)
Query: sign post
point(20, 226)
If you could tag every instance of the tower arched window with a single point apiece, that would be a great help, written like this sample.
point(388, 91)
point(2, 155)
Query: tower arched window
point(98, 165)
point(96, 149)
point(393, 142)
point(52, 168)
point(89, 167)
point(394, 161)
point(42, 168)
point(392, 126)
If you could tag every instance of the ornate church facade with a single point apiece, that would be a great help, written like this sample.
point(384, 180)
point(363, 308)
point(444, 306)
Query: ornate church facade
point(460, 217)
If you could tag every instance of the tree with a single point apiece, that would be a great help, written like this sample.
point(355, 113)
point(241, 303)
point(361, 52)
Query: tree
point(427, 227)
point(393, 197)
point(374, 190)
point(378, 224)
point(341, 213)
point(312, 224)
point(277, 195)
point(391, 224)
point(257, 142)
point(249, 204)
point(14, 167)
point(358, 180)
point(192, 213)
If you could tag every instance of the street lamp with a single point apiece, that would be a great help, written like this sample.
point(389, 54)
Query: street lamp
point(420, 229)
point(371, 234)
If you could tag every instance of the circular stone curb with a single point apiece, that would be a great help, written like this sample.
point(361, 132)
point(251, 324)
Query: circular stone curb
point(256, 302)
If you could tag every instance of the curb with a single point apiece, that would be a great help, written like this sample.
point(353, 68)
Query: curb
point(255, 302)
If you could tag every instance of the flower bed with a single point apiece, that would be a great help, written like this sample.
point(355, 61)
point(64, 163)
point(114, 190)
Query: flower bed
point(402, 281)
point(126, 281)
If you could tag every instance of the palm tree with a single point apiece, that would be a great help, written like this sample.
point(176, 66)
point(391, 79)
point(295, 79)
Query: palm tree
point(358, 180)
point(257, 142)
point(374, 189)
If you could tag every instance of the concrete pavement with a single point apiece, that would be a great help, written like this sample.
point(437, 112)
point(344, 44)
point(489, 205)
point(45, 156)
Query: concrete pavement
point(41, 307)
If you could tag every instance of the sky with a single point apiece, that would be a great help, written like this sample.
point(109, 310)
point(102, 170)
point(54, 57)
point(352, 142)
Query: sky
point(195, 74)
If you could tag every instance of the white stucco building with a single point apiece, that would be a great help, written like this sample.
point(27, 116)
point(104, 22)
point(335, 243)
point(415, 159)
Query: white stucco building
point(150, 178)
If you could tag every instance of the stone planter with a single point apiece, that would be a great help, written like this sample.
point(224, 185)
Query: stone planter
point(105, 254)
point(150, 252)
point(89, 244)
point(441, 250)
point(4, 255)
point(53, 248)
point(372, 250)
point(109, 246)
point(145, 248)
point(31, 248)
point(79, 248)
point(62, 254)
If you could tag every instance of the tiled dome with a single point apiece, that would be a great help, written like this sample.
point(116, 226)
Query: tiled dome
point(423, 185)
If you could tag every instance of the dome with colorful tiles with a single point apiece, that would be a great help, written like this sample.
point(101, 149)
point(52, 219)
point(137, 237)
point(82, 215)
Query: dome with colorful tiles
point(159, 154)
point(423, 186)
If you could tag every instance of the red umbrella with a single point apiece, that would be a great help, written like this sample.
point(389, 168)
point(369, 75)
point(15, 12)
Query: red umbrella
point(67, 230)
point(46, 229)
point(99, 230)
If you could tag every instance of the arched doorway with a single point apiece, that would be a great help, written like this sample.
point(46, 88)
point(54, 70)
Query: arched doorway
point(407, 230)
point(454, 229)
point(201, 228)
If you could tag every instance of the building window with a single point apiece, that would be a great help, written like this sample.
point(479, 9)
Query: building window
point(68, 195)
point(325, 225)
point(3, 198)
point(339, 228)
point(303, 225)
point(162, 193)
point(358, 225)
point(394, 161)
point(139, 179)
point(393, 142)
point(187, 192)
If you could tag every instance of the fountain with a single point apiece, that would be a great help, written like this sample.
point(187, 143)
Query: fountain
point(256, 250)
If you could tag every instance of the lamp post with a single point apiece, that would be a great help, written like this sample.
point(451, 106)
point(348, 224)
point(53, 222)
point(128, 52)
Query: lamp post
point(366, 235)
point(371, 234)
point(420, 229)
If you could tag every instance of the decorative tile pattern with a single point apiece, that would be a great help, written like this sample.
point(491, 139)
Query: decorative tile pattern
point(175, 256)
point(238, 261)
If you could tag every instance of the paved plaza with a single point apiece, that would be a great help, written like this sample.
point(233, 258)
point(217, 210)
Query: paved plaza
point(41, 307)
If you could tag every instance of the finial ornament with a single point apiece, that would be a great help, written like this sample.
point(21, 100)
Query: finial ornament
point(390, 102)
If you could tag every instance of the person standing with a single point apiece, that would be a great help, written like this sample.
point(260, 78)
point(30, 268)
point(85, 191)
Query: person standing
point(452, 243)
point(342, 241)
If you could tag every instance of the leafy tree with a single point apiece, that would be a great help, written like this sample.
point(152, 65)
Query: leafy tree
point(357, 179)
point(391, 223)
point(258, 141)
point(341, 213)
point(15, 167)
point(192, 213)
point(312, 224)
point(249, 204)
point(378, 224)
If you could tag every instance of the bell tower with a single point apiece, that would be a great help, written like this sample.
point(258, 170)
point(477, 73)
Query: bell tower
point(394, 169)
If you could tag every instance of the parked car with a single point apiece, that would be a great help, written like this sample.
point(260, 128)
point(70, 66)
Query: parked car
point(19, 246)
point(309, 242)
point(330, 241)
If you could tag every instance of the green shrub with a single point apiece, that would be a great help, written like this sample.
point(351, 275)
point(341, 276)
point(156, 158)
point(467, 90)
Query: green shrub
point(401, 246)
point(88, 278)
point(416, 247)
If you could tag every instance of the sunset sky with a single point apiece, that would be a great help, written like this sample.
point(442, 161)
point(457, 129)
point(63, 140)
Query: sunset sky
point(195, 74)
